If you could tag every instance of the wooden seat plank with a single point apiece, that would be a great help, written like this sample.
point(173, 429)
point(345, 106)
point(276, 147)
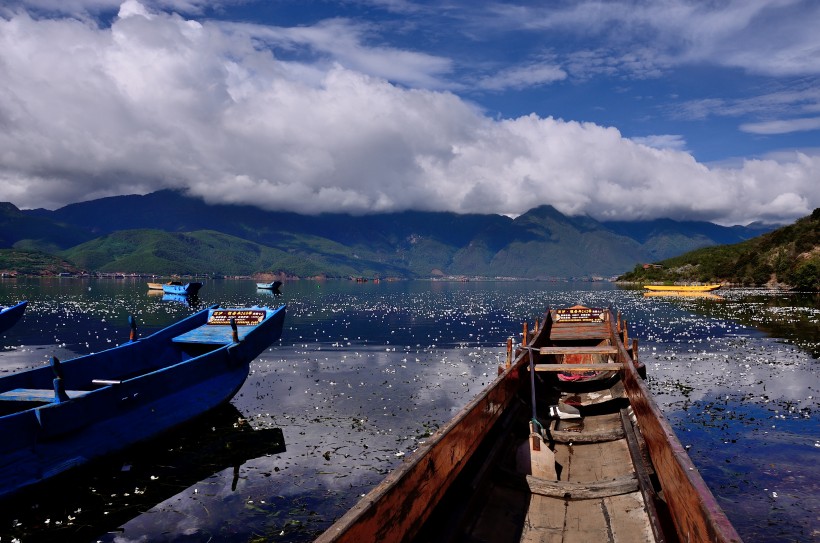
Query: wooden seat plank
point(578, 367)
point(592, 349)
point(583, 491)
point(42, 395)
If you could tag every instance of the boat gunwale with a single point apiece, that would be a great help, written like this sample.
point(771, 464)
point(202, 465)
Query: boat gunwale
point(352, 526)
point(667, 452)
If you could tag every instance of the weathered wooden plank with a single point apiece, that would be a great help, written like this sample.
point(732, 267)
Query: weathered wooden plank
point(544, 522)
point(579, 331)
point(582, 491)
point(593, 349)
point(569, 436)
point(577, 367)
point(641, 470)
point(627, 519)
point(598, 461)
point(586, 522)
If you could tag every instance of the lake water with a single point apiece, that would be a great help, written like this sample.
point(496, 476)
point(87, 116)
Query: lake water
point(365, 371)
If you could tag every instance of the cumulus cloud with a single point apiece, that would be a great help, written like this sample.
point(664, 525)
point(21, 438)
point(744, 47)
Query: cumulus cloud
point(160, 101)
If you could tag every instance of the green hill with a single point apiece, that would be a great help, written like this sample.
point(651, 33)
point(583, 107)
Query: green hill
point(207, 251)
point(169, 232)
point(789, 255)
point(34, 263)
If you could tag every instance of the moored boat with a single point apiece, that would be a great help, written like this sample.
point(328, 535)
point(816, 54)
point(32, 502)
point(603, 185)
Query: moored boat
point(53, 419)
point(681, 288)
point(184, 289)
point(154, 286)
point(273, 285)
point(11, 314)
point(537, 458)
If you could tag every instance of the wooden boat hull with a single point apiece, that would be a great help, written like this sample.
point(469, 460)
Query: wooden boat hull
point(681, 288)
point(124, 395)
point(185, 289)
point(618, 469)
point(10, 315)
point(154, 286)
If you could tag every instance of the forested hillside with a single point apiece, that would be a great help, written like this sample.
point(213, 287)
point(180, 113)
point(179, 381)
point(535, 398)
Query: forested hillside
point(787, 256)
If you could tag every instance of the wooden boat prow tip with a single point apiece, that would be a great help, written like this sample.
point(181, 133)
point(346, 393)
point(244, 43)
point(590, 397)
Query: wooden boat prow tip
point(619, 468)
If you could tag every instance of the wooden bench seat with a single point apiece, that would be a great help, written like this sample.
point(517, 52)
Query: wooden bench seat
point(41, 395)
point(578, 367)
point(592, 349)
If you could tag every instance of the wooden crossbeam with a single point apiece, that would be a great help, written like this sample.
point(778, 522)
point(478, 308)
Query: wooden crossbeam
point(578, 367)
point(592, 349)
point(583, 491)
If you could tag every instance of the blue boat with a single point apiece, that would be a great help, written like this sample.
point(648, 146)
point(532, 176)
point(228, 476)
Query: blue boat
point(185, 289)
point(55, 418)
point(274, 285)
point(10, 315)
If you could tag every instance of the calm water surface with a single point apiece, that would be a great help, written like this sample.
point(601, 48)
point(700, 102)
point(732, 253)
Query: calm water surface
point(364, 372)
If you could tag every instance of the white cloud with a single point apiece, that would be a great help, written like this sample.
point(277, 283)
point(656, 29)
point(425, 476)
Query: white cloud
point(158, 101)
point(782, 126)
point(522, 77)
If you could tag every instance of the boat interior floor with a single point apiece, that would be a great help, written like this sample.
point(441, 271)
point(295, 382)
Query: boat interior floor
point(596, 497)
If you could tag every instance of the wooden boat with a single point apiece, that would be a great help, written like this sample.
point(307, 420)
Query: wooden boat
point(274, 285)
point(154, 286)
point(11, 314)
point(681, 288)
point(52, 419)
point(534, 458)
point(177, 287)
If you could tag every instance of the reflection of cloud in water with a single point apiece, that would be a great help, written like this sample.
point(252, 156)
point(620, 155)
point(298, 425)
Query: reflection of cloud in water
point(739, 366)
point(349, 415)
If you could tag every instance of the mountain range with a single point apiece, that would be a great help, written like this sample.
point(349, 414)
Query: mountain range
point(167, 232)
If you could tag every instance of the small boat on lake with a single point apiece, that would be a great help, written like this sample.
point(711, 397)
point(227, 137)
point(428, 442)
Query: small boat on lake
point(681, 288)
point(11, 314)
point(274, 285)
point(536, 458)
point(154, 286)
point(184, 289)
point(55, 418)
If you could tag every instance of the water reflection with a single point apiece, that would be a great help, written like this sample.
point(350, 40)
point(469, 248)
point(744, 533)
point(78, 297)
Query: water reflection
point(365, 372)
point(93, 502)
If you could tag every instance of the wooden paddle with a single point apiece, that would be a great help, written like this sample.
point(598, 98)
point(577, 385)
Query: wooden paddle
point(535, 458)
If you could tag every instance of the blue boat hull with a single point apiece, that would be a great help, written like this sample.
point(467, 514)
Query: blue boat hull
point(183, 289)
point(269, 286)
point(10, 315)
point(180, 374)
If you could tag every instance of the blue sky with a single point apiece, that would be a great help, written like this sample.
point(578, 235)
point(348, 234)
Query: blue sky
point(618, 110)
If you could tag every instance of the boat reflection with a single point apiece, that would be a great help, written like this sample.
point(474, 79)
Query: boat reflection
point(190, 301)
point(681, 294)
point(123, 486)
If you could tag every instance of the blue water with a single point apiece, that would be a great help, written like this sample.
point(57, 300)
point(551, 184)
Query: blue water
point(364, 372)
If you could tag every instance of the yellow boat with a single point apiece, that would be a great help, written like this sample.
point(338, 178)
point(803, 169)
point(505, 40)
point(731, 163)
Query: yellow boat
point(681, 288)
